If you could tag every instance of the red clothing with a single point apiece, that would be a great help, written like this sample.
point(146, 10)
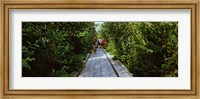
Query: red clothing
point(103, 41)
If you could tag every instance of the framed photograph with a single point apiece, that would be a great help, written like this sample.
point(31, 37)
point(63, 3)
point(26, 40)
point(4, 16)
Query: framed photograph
point(100, 49)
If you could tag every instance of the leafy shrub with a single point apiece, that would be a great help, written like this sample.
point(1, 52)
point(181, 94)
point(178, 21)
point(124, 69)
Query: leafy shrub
point(145, 48)
point(55, 48)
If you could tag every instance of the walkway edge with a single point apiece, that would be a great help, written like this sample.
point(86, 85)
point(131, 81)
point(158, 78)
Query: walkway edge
point(124, 67)
point(111, 63)
point(85, 61)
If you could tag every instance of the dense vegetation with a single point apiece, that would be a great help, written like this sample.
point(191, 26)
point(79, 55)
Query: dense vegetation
point(147, 49)
point(55, 48)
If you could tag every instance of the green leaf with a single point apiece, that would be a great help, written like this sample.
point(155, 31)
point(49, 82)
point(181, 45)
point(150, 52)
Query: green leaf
point(28, 42)
point(36, 45)
point(26, 65)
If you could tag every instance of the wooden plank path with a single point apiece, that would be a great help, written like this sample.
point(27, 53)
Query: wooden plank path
point(102, 65)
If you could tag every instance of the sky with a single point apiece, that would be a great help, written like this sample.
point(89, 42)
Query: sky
point(98, 25)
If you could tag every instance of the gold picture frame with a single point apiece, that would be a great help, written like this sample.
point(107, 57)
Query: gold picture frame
point(99, 4)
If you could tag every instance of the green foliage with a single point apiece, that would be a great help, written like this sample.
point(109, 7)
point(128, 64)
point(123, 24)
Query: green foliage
point(145, 48)
point(55, 48)
point(62, 73)
point(59, 48)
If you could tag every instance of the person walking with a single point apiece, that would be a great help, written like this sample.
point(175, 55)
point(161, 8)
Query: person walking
point(103, 42)
point(100, 43)
point(94, 44)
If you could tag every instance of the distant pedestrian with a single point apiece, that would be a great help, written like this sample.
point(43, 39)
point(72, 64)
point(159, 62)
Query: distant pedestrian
point(101, 42)
point(94, 44)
